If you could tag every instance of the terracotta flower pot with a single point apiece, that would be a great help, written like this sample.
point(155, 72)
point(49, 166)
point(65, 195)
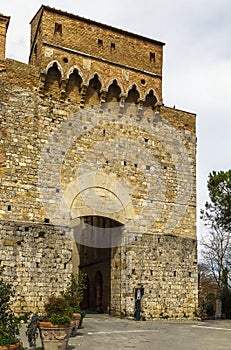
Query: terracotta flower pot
point(45, 324)
point(14, 346)
point(10, 347)
point(77, 319)
point(55, 337)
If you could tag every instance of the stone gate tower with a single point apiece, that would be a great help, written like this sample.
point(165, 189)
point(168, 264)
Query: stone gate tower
point(96, 173)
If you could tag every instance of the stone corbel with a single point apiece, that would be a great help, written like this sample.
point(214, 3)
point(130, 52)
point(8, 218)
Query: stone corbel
point(63, 86)
point(83, 91)
point(42, 80)
point(103, 95)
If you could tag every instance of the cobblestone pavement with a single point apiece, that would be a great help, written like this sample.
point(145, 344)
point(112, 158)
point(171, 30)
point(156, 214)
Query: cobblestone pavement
point(101, 332)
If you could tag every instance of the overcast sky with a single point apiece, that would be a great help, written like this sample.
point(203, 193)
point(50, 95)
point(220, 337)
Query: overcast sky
point(197, 59)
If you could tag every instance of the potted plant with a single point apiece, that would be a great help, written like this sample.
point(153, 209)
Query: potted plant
point(9, 328)
point(57, 325)
point(74, 295)
point(63, 316)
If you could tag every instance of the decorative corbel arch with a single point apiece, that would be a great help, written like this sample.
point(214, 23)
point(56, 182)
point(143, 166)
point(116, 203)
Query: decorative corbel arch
point(154, 95)
point(119, 84)
point(130, 87)
point(71, 70)
point(137, 89)
point(148, 92)
point(99, 77)
point(50, 65)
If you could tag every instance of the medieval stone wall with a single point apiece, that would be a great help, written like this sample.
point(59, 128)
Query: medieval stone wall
point(36, 260)
point(167, 270)
point(72, 113)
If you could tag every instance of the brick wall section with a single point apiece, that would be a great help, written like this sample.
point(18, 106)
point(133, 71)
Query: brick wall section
point(77, 46)
point(2, 154)
point(4, 22)
point(35, 27)
point(2, 162)
point(83, 35)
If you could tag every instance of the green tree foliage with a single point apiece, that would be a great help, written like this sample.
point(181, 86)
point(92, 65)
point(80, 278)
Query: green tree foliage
point(75, 290)
point(216, 243)
point(8, 325)
point(218, 210)
point(207, 292)
point(74, 293)
point(217, 218)
point(58, 310)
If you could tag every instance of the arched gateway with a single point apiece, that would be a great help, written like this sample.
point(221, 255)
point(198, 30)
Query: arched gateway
point(100, 208)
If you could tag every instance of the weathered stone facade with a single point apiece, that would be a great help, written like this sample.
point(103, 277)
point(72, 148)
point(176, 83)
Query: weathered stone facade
point(96, 173)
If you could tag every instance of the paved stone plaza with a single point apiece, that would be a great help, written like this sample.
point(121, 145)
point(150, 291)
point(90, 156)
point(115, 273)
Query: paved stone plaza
point(101, 332)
